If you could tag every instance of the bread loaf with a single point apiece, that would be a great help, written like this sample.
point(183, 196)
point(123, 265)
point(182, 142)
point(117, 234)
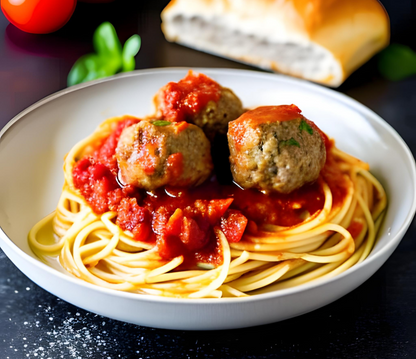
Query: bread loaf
point(318, 40)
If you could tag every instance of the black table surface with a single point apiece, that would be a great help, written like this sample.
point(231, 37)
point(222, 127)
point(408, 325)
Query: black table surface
point(377, 320)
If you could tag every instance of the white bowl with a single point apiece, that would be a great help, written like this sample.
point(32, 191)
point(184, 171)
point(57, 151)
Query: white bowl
point(33, 144)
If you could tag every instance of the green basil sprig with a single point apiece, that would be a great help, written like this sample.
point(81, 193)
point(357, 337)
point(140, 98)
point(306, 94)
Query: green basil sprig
point(397, 62)
point(110, 56)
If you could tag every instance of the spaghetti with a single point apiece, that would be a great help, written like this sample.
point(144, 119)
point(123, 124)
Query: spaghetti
point(338, 235)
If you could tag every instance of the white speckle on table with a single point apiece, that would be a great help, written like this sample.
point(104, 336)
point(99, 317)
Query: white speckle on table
point(70, 337)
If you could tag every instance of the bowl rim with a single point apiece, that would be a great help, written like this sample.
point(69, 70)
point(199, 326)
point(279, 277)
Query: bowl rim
point(345, 99)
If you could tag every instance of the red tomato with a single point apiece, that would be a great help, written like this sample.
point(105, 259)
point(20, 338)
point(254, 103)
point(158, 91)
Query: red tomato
point(38, 16)
point(233, 224)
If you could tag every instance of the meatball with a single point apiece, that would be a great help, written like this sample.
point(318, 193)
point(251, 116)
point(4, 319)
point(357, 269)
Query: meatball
point(152, 154)
point(199, 100)
point(275, 148)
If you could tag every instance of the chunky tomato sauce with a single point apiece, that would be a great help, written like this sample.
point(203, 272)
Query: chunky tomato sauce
point(181, 221)
point(177, 101)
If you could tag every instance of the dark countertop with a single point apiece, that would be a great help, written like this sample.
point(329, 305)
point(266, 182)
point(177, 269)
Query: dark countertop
point(377, 320)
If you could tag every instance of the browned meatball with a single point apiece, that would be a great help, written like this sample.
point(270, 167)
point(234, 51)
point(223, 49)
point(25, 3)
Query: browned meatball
point(153, 154)
point(215, 116)
point(200, 100)
point(275, 148)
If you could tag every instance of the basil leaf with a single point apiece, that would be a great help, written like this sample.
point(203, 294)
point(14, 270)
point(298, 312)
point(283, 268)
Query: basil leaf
point(130, 49)
point(289, 142)
point(161, 123)
point(304, 126)
point(78, 72)
point(106, 42)
point(108, 59)
point(397, 62)
point(91, 67)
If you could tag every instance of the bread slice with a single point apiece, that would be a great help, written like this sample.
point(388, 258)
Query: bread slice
point(318, 40)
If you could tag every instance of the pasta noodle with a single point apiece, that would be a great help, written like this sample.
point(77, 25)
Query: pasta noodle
point(94, 248)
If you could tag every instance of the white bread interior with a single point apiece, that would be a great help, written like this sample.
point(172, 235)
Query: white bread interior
point(318, 40)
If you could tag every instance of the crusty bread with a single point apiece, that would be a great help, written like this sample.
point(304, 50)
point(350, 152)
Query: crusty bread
point(319, 40)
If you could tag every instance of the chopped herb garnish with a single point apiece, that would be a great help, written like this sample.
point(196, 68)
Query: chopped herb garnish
point(161, 123)
point(304, 126)
point(289, 142)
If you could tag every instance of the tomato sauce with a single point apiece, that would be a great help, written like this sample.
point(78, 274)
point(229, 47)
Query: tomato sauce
point(181, 221)
point(336, 180)
point(269, 114)
point(178, 101)
point(175, 165)
point(278, 208)
point(355, 229)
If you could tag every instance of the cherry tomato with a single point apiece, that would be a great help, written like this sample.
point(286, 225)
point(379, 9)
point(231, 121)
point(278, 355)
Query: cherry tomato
point(38, 16)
